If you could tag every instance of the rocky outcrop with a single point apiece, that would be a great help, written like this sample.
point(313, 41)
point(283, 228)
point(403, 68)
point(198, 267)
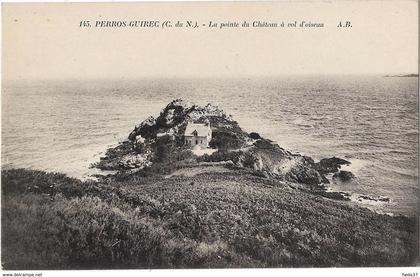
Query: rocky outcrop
point(330, 165)
point(373, 198)
point(336, 195)
point(158, 142)
point(344, 176)
point(305, 175)
point(282, 164)
point(175, 116)
point(135, 160)
point(144, 129)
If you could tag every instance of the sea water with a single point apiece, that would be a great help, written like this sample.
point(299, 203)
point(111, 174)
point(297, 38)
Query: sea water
point(372, 121)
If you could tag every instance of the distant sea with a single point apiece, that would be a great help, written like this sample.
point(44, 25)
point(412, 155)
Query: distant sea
point(64, 126)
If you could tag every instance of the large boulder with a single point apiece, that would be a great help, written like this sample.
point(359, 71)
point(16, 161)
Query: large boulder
point(344, 176)
point(282, 164)
point(135, 161)
point(330, 165)
point(304, 175)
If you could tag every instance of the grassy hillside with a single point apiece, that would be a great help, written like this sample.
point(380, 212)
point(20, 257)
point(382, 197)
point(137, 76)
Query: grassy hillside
point(212, 219)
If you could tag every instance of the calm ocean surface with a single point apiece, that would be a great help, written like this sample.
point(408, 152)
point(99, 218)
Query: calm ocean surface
point(64, 126)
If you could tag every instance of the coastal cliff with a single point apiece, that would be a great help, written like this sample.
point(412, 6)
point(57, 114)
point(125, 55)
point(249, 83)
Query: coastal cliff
point(246, 203)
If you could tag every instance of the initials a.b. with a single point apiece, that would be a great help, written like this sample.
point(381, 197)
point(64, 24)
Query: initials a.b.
point(346, 24)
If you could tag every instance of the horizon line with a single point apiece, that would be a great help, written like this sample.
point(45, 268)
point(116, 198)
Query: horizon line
point(155, 77)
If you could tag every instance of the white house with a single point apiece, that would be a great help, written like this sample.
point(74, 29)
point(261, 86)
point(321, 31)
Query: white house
point(198, 134)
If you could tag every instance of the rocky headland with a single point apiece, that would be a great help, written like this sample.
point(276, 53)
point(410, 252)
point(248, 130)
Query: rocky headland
point(248, 203)
point(157, 145)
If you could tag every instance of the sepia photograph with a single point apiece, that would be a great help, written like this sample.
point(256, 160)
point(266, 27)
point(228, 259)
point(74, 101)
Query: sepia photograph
point(204, 135)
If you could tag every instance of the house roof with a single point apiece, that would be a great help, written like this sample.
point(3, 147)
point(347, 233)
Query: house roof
point(201, 129)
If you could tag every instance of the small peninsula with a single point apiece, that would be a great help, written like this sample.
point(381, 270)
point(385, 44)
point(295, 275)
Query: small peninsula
point(191, 189)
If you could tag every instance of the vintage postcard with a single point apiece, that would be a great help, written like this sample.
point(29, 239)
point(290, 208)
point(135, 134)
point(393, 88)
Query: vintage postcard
point(166, 135)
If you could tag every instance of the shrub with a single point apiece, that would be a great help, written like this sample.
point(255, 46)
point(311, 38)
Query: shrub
point(221, 155)
point(225, 140)
point(249, 160)
point(163, 148)
point(254, 135)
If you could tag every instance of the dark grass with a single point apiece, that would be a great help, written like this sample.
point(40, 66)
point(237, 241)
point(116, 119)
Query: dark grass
point(233, 219)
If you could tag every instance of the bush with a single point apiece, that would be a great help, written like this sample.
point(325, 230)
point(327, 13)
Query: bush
point(225, 140)
point(163, 148)
point(254, 135)
point(249, 160)
point(222, 155)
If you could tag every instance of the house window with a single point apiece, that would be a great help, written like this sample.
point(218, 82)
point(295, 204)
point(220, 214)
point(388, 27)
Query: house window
point(196, 142)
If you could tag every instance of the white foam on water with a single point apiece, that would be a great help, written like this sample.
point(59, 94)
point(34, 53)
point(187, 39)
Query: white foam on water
point(355, 165)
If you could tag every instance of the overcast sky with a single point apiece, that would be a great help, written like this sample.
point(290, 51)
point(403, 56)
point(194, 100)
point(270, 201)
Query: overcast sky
point(43, 41)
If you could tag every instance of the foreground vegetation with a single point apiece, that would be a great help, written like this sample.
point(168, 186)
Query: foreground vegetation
point(226, 219)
